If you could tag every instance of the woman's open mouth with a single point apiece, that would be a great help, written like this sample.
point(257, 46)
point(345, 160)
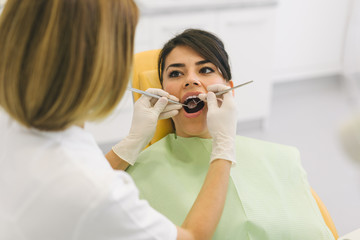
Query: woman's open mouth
point(193, 104)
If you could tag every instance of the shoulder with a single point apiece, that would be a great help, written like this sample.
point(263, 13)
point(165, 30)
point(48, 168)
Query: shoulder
point(101, 205)
point(119, 213)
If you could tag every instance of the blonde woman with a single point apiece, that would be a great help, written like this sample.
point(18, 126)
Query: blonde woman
point(62, 63)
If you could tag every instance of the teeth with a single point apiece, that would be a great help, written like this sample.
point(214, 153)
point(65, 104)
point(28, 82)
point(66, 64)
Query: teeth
point(191, 97)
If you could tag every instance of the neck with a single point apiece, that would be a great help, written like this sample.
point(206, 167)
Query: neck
point(199, 135)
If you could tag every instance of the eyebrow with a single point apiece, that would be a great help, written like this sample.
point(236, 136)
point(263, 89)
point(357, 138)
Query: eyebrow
point(183, 65)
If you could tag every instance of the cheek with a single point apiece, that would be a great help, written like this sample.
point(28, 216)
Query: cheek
point(172, 88)
point(215, 80)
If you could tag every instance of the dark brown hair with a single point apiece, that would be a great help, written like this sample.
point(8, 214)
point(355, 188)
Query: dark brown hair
point(209, 46)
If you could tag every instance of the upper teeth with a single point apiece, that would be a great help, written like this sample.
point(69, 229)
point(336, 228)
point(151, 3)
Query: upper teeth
point(191, 97)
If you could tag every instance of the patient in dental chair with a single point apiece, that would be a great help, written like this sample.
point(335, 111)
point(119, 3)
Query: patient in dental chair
point(269, 196)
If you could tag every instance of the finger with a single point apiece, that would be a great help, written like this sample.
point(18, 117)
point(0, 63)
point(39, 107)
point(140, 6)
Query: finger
point(228, 98)
point(217, 88)
point(170, 104)
point(158, 91)
point(172, 97)
point(166, 115)
point(145, 101)
point(211, 100)
point(160, 105)
point(171, 107)
point(170, 110)
point(202, 96)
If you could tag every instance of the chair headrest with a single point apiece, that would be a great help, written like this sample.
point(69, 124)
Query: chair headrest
point(145, 76)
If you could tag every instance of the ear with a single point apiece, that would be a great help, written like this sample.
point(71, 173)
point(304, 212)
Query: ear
point(231, 84)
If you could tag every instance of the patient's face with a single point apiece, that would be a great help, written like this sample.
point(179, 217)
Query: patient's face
point(186, 75)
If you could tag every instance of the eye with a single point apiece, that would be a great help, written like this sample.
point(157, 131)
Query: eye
point(174, 74)
point(206, 70)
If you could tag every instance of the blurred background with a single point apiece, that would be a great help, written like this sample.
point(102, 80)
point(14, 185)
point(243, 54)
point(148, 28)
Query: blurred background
point(304, 58)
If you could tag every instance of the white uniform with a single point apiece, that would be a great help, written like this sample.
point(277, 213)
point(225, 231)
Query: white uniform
point(58, 185)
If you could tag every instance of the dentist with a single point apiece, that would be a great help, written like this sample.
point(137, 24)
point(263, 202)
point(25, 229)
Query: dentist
point(62, 63)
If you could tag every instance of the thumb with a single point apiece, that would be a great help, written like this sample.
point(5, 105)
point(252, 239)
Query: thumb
point(212, 100)
point(160, 105)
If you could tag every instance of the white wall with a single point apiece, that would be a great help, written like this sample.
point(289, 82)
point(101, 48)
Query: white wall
point(351, 66)
point(309, 39)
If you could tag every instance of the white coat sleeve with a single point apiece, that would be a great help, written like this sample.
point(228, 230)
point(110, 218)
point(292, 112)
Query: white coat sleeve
point(120, 214)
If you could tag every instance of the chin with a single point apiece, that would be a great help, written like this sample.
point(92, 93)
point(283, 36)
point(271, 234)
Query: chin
point(191, 127)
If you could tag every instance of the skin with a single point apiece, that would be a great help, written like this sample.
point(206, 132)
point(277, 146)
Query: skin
point(186, 73)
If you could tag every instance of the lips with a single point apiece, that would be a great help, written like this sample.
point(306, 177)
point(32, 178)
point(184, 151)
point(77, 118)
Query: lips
point(194, 104)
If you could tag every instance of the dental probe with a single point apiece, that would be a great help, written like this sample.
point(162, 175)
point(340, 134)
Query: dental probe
point(152, 95)
point(172, 101)
point(229, 89)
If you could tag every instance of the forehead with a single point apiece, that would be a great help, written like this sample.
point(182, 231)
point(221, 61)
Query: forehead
point(183, 54)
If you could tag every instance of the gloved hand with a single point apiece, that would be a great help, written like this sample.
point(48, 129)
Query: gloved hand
point(147, 111)
point(221, 122)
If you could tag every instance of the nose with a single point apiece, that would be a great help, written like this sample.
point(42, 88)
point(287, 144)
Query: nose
point(192, 81)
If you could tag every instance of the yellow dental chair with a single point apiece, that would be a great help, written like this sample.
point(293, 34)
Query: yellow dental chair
point(145, 75)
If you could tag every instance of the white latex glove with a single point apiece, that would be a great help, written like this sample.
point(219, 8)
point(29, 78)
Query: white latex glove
point(221, 122)
point(147, 111)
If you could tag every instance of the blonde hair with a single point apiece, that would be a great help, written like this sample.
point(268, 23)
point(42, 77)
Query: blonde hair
point(63, 62)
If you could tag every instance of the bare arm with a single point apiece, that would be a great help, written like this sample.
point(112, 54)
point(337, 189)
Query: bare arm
point(116, 162)
point(201, 221)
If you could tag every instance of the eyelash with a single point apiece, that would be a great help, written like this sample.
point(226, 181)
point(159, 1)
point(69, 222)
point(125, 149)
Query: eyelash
point(202, 70)
point(207, 68)
point(171, 74)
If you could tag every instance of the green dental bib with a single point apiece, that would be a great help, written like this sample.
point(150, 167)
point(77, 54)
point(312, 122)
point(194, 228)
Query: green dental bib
point(268, 196)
